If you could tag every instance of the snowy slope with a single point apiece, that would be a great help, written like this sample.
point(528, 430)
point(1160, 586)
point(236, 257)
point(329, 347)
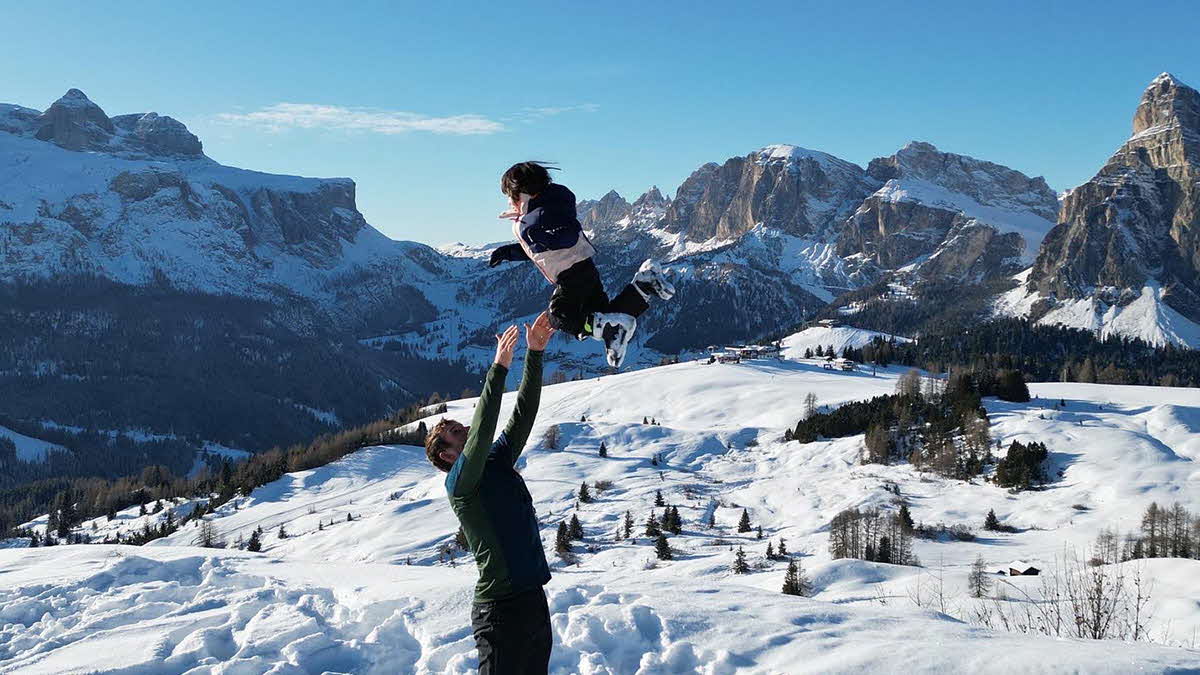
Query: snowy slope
point(1146, 317)
point(30, 449)
point(839, 337)
point(370, 595)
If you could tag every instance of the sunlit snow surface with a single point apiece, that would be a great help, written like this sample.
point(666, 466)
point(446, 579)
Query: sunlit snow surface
point(1146, 317)
point(337, 596)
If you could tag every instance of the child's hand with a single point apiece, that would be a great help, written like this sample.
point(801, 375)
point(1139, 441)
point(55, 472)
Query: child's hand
point(517, 208)
point(514, 210)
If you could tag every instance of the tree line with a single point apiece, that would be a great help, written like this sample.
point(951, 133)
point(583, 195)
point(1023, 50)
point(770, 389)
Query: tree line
point(72, 501)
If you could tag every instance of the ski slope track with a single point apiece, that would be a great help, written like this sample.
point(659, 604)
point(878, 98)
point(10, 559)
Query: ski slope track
point(358, 584)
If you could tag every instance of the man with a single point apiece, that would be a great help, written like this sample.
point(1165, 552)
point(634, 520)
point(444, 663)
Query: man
point(510, 618)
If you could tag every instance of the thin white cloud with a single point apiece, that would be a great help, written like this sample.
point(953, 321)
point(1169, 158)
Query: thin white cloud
point(282, 116)
point(536, 113)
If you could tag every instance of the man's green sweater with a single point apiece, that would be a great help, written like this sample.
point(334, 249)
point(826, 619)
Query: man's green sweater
point(489, 496)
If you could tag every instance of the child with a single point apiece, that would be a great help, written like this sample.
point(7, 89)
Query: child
point(549, 234)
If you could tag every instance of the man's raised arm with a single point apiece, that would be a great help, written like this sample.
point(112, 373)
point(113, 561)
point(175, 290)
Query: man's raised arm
point(529, 395)
point(487, 410)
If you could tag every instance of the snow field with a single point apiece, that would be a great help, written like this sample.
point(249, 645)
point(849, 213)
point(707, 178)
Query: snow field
point(342, 599)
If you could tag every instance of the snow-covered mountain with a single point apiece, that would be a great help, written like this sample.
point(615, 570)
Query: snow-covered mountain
point(945, 215)
point(148, 287)
point(1125, 255)
point(375, 593)
point(105, 221)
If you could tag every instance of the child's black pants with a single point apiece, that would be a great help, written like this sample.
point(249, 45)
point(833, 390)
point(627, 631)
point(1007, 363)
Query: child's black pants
point(579, 293)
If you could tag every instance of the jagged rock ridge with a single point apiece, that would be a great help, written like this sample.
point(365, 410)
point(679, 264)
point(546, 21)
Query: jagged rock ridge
point(1130, 237)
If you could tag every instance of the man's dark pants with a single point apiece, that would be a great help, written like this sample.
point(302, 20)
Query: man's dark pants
point(513, 634)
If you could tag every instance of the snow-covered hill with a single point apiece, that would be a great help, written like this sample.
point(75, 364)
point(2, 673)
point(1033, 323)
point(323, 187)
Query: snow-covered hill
point(372, 593)
point(838, 337)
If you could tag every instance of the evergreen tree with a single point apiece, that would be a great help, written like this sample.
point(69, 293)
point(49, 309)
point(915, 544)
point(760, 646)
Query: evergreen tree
point(141, 509)
point(906, 518)
point(575, 529)
point(661, 548)
point(603, 449)
point(562, 540)
point(658, 498)
point(1011, 386)
point(759, 534)
point(744, 523)
point(795, 581)
point(770, 551)
point(782, 548)
point(585, 495)
point(628, 525)
point(883, 553)
point(712, 519)
point(676, 521)
point(282, 532)
point(978, 580)
point(645, 420)
point(739, 562)
point(991, 522)
point(652, 527)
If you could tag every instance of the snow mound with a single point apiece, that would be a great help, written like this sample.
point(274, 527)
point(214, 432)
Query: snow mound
point(123, 609)
point(841, 337)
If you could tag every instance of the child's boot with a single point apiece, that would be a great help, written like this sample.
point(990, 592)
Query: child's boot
point(651, 280)
point(616, 331)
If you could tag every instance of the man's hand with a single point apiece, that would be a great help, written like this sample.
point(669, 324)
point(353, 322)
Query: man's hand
point(505, 345)
point(538, 335)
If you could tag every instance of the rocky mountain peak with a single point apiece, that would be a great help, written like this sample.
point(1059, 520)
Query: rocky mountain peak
point(1166, 125)
point(782, 187)
point(159, 134)
point(987, 183)
point(610, 208)
point(652, 198)
point(1134, 225)
point(1166, 102)
point(74, 122)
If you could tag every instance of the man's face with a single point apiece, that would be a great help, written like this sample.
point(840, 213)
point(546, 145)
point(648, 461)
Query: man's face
point(454, 435)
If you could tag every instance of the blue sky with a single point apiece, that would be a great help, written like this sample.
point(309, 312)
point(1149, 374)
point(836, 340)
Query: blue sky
point(425, 104)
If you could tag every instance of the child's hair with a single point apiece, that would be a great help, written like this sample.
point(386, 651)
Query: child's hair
point(528, 177)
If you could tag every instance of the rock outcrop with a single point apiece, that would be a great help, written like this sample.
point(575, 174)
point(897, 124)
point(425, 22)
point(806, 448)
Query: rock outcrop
point(1136, 224)
point(785, 187)
point(73, 122)
point(932, 212)
point(159, 134)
